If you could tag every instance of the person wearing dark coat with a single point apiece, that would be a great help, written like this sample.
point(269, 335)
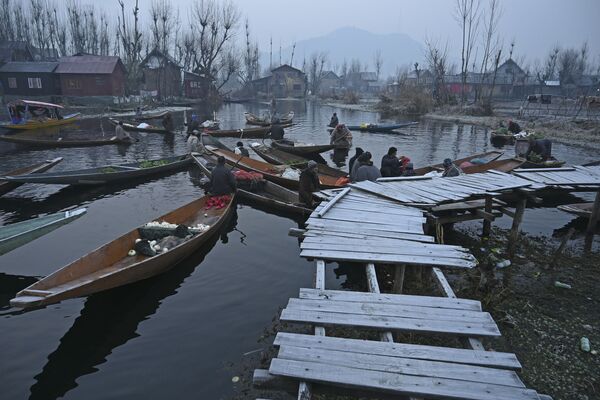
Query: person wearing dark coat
point(543, 147)
point(409, 170)
point(366, 171)
point(193, 125)
point(240, 150)
point(513, 127)
point(222, 181)
point(167, 123)
point(450, 169)
point(390, 164)
point(353, 159)
point(334, 121)
point(309, 183)
point(276, 130)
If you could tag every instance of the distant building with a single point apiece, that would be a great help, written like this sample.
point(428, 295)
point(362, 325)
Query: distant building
point(362, 82)
point(331, 84)
point(15, 51)
point(29, 79)
point(196, 86)
point(161, 76)
point(89, 75)
point(284, 81)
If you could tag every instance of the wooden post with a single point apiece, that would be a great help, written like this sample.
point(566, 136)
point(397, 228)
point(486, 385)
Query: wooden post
point(398, 278)
point(514, 231)
point(591, 228)
point(487, 224)
point(561, 248)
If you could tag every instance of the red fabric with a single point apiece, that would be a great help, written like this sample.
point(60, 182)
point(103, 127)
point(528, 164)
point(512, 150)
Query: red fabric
point(247, 176)
point(466, 164)
point(342, 180)
point(217, 201)
point(404, 160)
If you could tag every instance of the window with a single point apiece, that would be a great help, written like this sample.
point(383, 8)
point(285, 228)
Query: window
point(73, 84)
point(35, 83)
point(100, 81)
point(12, 83)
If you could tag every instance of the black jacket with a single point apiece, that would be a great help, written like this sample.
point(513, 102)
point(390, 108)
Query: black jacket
point(222, 181)
point(309, 183)
point(390, 166)
point(277, 132)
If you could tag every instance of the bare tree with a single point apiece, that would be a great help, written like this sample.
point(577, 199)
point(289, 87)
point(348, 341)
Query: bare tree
point(467, 16)
point(437, 60)
point(131, 43)
point(316, 64)
point(491, 41)
point(378, 62)
point(251, 67)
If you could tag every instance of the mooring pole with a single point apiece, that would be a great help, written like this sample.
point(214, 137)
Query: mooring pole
point(514, 231)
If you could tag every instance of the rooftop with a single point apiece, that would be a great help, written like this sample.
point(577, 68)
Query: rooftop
point(28, 66)
point(87, 64)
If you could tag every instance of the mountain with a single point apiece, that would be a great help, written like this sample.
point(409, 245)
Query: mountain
point(397, 49)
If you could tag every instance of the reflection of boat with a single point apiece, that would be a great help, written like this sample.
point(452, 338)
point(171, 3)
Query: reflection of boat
point(41, 115)
point(39, 142)
point(301, 149)
point(274, 173)
point(136, 128)
point(6, 187)
point(269, 194)
point(579, 209)
point(487, 157)
point(110, 265)
point(379, 127)
point(107, 173)
point(279, 157)
point(252, 119)
point(20, 233)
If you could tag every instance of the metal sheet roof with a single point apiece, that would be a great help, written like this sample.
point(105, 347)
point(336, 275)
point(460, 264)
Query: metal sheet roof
point(28, 66)
point(87, 64)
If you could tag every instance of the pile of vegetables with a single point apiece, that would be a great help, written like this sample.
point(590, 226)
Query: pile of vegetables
point(217, 202)
point(152, 164)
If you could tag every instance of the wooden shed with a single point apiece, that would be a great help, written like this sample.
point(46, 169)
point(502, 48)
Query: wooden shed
point(29, 79)
point(161, 75)
point(90, 75)
point(196, 86)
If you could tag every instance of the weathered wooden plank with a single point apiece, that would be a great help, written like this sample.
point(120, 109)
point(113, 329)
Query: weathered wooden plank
point(386, 258)
point(403, 178)
point(332, 202)
point(373, 285)
point(385, 242)
point(373, 218)
point(315, 232)
point(414, 250)
point(360, 227)
point(383, 298)
point(397, 383)
point(391, 310)
point(403, 366)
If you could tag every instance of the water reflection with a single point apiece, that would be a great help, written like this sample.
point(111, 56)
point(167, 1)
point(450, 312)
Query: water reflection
point(10, 285)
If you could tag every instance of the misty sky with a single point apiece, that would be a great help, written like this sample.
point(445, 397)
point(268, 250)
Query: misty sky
point(536, 25)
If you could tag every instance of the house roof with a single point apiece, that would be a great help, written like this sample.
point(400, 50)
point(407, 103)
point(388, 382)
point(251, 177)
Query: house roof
point(28, 66)
point(157, 53)
point(88, 64)
point(286, 67)
point(44, 54)
point(8, 47)
point(329, 75)
point(511, 63)
point(368, 76)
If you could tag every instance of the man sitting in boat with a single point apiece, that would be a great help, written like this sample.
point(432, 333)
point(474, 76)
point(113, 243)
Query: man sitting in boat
point(341, 137)
point(541, 147)
point(241, 150)
point(222, 180)
point(409, 170)
point(450, 169)
point(193, 125)
point(193, 142)
point(334, 121)
point(121, 133)
point(513, 127)
point(276, 130)
point(15, 114)
point(366, 171)
point(390, 164)
point(309, 183)
point(354, 159)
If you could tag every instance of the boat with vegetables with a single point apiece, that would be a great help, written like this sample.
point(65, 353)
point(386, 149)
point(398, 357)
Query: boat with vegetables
point(108, 173)
point(6, 186)
point(20, 233)
point(260, 191)
point(139, 128)
point(133, 256)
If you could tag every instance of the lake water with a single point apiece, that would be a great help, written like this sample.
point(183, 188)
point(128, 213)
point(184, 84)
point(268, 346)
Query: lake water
point(180, 332)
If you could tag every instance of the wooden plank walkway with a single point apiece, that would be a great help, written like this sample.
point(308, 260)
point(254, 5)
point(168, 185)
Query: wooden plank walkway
point(568, 177)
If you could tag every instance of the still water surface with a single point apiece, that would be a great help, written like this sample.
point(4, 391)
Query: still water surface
point(175, 335)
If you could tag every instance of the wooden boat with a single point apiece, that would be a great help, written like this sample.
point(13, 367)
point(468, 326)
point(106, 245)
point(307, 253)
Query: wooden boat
point(28, 114)
point(20, 233)
point(592, 164)
point(6, 187)
point(248, 133)
point(271, 172)
point(134, 128)
point(552, 163)
point(110, 265)
point(150, 116)
point(301, 149)
point(502, 138)
point(39, 142)
point(252, 119)
point(379, 127)
point(505, 165)
point(127, 109)
point(579, 209)
point(108, 173)
point(266, 193)
point(489, 156)
point(279, 157)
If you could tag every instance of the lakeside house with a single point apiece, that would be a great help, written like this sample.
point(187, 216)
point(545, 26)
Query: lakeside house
point(196, 86)
point(29, 79)
point(365, 83)
point(161, 76)
point(89, 75)
point(15, 51)
point(331, 84)
point(284, 81)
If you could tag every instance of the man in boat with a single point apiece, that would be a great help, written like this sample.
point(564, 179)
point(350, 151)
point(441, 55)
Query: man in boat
point(309, 183)
point(513, 127)
point(167, 123)
point(276, 130)
point(541, 147)
point(121, 134)
point(353, 159)
point(222, 181)
point(194, 145)
point(138, 111)
point(241, 150)
point(450, 169)
point(390, 164)
point(366, 171)
point(334, 121)
point(341, 137)
point(193, 125)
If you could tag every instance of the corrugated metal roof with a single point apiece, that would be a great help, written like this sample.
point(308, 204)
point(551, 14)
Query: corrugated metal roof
point(28, 66)
point(87, 64)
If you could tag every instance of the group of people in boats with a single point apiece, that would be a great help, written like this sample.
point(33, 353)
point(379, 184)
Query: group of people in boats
point(539, 149)
point(18, 113)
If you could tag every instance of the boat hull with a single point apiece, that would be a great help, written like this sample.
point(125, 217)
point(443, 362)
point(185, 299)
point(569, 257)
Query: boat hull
point(133, 128)
point(33, 124)
point(6, 186)
point(490, 156)
point(302, 150)
point(62, 143)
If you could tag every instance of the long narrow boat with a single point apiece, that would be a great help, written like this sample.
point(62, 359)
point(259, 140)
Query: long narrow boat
point(150, 116)
point(553, 163)
point(579, 209)
point(488, 156)
point(110, 265)
point(127, 109)
point(505, 165)
point(301, 149)
point(30, 114)
point(252, 119)
point(501, 139)
point(247, 133)
point(108, 173)
point(20, 233)
point(280, 157)
point(37, 124)
point(134, 128)
point(40, 142)
point(379, 127)
point(273, 173)
point(6, 187)
point(266, 193)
